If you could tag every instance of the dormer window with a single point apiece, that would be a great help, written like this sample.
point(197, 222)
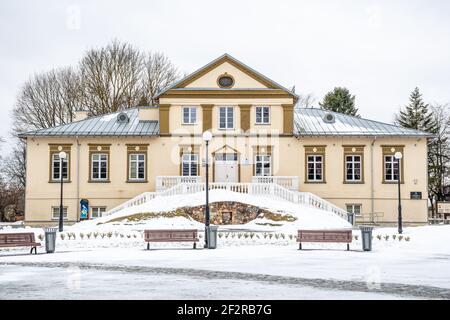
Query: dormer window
point(225, 81)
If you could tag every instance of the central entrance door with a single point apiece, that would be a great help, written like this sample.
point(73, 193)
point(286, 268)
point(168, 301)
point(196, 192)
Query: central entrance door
point(226, 167)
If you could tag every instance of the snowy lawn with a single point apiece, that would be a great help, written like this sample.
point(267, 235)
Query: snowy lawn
point(417, 268)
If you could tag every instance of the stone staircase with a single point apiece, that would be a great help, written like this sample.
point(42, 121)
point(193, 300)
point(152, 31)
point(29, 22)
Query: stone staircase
point(258, 189)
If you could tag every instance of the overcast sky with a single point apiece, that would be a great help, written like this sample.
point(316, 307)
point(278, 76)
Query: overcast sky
point(380, 50)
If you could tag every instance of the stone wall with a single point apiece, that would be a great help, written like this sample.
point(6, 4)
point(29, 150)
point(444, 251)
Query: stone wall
point(225, 212)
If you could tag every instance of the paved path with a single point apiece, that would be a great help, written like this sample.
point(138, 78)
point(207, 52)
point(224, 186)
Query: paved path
point(138, 282)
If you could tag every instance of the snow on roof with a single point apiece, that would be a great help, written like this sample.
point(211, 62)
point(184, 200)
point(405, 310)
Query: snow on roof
point(104, 125)
point(310, 122)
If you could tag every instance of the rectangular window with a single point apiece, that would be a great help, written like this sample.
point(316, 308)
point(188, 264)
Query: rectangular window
point(315, 168)
point(263, 165)
point(189, 115)
point(391, 169)
point(97, 212)
point(354, 208)
point(99, 165)
point(55, 213)
point(56, 167)
point(226, 118)
point(137, 166)
point(189, 164)
point(353, 164)
point(262, 115)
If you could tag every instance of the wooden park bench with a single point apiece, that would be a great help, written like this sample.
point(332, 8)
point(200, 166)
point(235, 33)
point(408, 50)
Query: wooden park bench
point(174, 235)
point(338, 236)
point(19, 240)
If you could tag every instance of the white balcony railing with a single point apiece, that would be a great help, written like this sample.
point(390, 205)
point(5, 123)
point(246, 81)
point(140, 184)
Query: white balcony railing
point(167, 182)
point(288, 182)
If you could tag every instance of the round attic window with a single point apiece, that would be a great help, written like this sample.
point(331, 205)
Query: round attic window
point(225, 81)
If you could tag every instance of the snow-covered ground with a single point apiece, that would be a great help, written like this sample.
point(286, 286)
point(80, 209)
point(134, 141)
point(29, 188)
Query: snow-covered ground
point(274, 268)
point(104, 259)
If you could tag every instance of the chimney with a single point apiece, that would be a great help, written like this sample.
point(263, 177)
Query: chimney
point(80, 115)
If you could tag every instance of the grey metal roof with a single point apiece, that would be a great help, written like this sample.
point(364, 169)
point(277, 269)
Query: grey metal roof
point(105, 125)
point(309, 122)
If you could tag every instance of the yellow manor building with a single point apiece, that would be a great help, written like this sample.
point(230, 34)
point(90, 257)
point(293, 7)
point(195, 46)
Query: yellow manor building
point(258, 137)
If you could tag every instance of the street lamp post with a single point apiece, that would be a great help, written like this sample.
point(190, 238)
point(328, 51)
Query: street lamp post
point(398, 156)
point(207, 136)
point(62, 157)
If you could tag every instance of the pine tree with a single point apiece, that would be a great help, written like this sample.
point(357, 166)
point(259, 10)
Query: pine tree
point(340, 100)
point(416, 115)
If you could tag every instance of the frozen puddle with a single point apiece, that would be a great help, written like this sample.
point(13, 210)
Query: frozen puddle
point(83, 281)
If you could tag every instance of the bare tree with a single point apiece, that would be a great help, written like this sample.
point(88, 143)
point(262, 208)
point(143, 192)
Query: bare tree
point(14, 165)
point(306, 100)
point(439, 155)
point(159, 73)
point(111, 77)
point(47, 100)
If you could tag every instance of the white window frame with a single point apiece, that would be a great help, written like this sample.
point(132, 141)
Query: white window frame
point(100, 161)
point(186, 158)
point(227, 111)
point(100, 211)
point(192, 115)
point(353, 162)
point(315, 162)
point(55, 158)
point(393, 162)
point(264, 159)
point(352, 206)
point(262, 120)
point(56, 217)
point(137, 161)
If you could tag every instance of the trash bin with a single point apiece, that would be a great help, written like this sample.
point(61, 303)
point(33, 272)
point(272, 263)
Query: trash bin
point(211, 235)
point(366, 237)
point(351, 218)
point(50, 239)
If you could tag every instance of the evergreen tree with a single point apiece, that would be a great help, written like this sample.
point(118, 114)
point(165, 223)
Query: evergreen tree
point(416, 115)
point(340, 100)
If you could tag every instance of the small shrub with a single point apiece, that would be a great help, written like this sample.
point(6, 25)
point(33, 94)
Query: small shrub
point(257, 236)
point(227, 235)
point(270, 235)
point(128, 236)
point(400, 238)
point(41, 237)
point(246, 235)
point(220, 235)
point(116, 234)
point(121, 235)
point(386, 237)
point(62, 235)
point(291, 236)
point(134, 235)
point(95, 235)
point(109, 234)
point(407, 238)
point(233, 235)
point(265, 235)
point(356, 237)
point(394, 236)
point(239, 235)
point(88, 235)
point(283, 236)
point(81, 235)
point(277, 236)
point(74, 236)
point(252, 234)
point(379, 236)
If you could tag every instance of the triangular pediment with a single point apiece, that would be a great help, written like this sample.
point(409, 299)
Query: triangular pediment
point(243, 77)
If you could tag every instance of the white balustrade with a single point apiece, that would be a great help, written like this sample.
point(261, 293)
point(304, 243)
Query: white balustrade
point(167, 182)
point(288, 182)
point(262, 188)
